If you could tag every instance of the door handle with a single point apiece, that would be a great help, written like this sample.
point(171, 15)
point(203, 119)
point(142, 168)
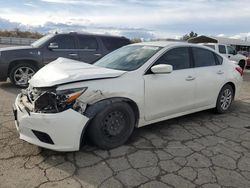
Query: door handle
point(190, 78)
point(229, 56)
point(220, 72)
point(73, 54)
point(98, 54)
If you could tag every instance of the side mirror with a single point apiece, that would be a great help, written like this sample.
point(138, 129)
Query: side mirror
point(162, 68)
point(53, 45)
point(234, 53)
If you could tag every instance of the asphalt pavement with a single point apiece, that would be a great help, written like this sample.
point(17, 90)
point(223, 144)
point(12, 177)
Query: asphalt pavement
point(198, 150)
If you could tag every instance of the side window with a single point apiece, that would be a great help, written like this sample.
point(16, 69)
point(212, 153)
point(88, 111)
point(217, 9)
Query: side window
point(203, 57)
point(177, 57)
point(231, 50)
point(64, 41)
point(222, 49)
point(87, 42)
point(219, 59)
point(114, 43)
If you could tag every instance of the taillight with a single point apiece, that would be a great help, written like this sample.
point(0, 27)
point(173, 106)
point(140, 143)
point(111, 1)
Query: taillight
point(240, 70)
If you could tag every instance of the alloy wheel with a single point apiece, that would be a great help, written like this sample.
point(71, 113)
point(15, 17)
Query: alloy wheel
point(22, 75)
point(226, 99)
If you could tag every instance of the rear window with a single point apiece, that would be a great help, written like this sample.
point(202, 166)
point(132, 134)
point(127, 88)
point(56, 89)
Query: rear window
point(114, 43)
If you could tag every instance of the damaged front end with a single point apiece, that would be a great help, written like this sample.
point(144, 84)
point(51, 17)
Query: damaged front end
point(51, 100)
point(49, 118)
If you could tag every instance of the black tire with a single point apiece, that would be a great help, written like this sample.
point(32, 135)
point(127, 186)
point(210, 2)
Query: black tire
point(242, 64)
point(112, 126)
point(225, 99)
point(21, 66)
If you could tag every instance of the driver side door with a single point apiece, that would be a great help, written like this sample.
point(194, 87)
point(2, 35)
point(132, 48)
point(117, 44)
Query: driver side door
point(66, 47)
point(170, 93)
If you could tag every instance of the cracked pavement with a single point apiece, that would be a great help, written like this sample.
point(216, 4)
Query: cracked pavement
point(198, 150)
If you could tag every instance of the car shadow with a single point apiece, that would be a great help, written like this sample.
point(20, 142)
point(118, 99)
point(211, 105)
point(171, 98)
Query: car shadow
point(151, 138)
point(9, 87)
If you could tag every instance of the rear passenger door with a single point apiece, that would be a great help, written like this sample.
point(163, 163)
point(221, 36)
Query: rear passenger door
point(89, 49)
point(209, 76)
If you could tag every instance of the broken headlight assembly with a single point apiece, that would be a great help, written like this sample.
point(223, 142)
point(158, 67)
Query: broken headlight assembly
point(53, 101)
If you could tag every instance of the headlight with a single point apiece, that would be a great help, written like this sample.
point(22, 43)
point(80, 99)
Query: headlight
point(53, 101)
point(70, 95)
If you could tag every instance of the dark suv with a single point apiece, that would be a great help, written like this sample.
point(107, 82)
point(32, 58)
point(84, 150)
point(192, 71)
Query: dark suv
point(20, 63)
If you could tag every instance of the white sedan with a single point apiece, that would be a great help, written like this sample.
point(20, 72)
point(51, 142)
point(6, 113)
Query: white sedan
point(134, 86)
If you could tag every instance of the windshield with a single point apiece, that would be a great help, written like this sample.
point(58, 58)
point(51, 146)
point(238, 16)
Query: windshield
point(128, 58)
point(41, 41)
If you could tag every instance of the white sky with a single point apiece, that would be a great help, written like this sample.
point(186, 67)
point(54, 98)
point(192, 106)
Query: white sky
point(148, 18)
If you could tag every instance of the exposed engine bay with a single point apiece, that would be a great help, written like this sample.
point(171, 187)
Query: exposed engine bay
point(51, 100)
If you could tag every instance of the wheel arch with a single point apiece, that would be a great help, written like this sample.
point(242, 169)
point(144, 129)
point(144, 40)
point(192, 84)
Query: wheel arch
point(17, 62)
point(232, 85)
point(93, 109)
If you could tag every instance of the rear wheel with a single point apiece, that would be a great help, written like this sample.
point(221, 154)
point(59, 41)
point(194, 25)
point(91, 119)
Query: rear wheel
point(112, 127)
point(225, 99)
point(21, 73)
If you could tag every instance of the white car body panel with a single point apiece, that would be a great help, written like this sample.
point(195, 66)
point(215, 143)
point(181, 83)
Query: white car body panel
point(55, 125)
point(174, 93)
point(236, 57)
point(158, 96)
point(214, 78)
point(64, 70)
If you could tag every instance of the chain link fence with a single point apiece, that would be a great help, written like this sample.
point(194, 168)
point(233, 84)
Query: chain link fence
point(16, 41)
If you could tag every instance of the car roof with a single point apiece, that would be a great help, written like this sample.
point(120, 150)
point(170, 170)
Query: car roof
point(209, 43)
point(165, 44)
point(92, 34)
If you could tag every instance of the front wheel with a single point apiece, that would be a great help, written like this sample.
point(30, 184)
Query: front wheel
point(113, 126)
point(21, 73)
point(225, 99)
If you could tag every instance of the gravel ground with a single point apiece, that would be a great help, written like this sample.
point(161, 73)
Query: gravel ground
point(198, 150)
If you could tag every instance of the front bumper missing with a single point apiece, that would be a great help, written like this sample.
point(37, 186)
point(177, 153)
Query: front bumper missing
point(64, 128)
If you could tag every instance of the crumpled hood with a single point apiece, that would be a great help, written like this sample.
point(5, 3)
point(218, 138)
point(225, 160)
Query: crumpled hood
point(62, 71)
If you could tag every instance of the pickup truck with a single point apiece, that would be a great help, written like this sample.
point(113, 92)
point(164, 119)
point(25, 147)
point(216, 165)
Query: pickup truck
point(229, 52)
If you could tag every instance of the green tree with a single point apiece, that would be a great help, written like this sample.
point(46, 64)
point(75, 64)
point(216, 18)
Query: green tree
point(136, 40)
point(18, 33)
point(190, 35)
